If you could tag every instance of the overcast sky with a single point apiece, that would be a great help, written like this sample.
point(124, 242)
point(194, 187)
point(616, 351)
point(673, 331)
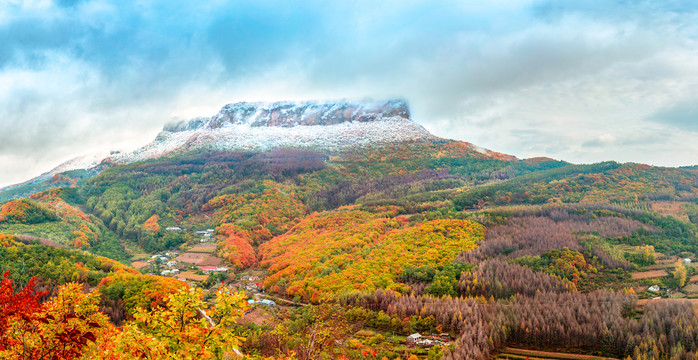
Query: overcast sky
point(582, 81)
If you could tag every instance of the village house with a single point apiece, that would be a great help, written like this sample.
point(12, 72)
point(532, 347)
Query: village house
point(412, 339)
point(208, 269)
point(265, 302)
point(429, 343)
point(252, 287)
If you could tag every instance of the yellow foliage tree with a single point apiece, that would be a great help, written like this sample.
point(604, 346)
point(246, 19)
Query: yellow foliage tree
point(648, 254)
point(185, 327)
point(680, 273)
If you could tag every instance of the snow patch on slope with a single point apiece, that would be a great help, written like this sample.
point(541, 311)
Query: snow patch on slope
point(322, 126)
point(89, 161)
point(244, 137)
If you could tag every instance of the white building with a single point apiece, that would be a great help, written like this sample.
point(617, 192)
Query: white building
point(267, 302)
point(412, 339)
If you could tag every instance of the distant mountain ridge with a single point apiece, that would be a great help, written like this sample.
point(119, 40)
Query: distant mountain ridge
point(329, 126)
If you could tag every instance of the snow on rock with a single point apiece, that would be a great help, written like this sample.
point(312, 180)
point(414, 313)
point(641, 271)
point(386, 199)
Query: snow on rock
point(323, 126)
point(291, 114)
point(264, 126)
point(89, 161)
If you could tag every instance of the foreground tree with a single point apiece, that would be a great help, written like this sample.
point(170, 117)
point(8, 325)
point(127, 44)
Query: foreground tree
point(185, 327)
point(57, 329)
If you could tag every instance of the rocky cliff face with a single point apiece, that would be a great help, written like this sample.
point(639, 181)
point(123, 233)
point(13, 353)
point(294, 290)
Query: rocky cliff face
point(290, 114)
point(329, 126)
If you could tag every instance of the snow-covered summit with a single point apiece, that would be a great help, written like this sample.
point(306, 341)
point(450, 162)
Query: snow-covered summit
point(245, 126)
point(290, 114)
point(328, 126)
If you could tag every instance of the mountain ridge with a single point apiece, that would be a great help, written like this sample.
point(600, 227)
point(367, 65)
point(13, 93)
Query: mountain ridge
point(326, 126)
point(290, 114)
point(330, 126)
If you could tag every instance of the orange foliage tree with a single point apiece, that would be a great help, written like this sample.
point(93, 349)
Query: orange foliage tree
point(237, 248)
point(80, 239)
point(26, 211)
point(152, 223)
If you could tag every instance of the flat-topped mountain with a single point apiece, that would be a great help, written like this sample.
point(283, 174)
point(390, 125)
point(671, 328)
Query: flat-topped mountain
point(329, 127)
point(290, 114)
point(321, 126)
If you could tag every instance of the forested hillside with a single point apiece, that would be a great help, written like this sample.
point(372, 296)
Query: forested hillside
point(358, 249)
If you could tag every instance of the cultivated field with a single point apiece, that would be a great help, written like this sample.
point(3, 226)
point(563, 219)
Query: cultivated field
point(649, 274)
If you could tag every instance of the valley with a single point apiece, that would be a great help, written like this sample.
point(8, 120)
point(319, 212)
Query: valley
point(408, 247)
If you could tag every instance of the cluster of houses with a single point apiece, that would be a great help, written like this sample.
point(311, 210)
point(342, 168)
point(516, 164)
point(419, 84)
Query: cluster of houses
point(206, 235)
point(174, 267)
point(205, 269)
point(252, 283)
point(430, 341)
point(164, 259)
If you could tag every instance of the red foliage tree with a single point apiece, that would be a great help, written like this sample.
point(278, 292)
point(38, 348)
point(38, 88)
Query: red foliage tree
point(57, 329)
point(24, 304)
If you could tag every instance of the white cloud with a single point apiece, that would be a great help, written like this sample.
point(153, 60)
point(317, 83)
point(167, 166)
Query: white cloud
point(582, 82)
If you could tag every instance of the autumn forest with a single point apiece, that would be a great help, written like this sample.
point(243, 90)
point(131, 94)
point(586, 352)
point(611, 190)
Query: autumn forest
point(413, 250)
